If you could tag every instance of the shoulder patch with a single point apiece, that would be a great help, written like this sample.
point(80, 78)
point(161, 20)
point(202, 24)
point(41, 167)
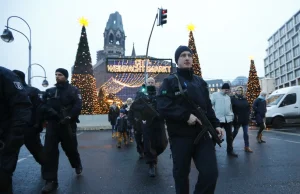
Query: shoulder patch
point(164, 92)
point(79, 96)
point(18, 85)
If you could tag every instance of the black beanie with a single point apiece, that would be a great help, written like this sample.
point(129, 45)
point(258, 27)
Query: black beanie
point(180, 50)
point(63, 71)
point(20, 74)
point(226, 86)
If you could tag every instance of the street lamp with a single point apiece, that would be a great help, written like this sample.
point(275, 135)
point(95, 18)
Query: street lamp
point(8, 37)
point(45, 82)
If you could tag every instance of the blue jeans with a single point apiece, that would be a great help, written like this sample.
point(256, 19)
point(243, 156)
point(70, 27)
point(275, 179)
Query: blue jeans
point(245, 129)
point(113, 128)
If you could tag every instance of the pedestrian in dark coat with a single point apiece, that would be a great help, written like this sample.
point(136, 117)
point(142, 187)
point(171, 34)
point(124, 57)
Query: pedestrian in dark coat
point(241, 111)
point(260, 110)
point(113, 114)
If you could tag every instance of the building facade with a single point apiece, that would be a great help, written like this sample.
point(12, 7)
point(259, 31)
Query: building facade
point(283, 54)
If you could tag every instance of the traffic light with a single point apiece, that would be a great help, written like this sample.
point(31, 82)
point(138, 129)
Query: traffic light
point(162, 19)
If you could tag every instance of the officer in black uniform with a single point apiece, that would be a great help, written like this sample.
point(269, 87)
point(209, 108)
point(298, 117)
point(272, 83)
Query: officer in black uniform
point(65, 101)
point(153, 129)
point(32, 138)
point(181, 126)
point(15, 115)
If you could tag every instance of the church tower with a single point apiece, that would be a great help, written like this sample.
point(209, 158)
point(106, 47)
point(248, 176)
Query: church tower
point(114, 36)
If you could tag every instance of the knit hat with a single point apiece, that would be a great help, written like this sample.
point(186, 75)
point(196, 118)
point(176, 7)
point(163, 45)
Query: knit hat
point(20, 74)
point(63, 71)
point(226, 86)
point(180, 50)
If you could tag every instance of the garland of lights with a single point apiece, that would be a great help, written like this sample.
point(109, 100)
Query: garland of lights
point(253, 87)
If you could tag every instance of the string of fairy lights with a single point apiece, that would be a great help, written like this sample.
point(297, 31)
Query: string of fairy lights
point(253, 86)
point(192, 46)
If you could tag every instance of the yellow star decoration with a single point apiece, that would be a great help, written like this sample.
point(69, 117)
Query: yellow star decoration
point(251, 57)
point(84, 22)
point(191, 27)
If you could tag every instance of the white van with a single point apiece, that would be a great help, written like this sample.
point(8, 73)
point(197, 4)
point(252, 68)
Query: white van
point(283, 106)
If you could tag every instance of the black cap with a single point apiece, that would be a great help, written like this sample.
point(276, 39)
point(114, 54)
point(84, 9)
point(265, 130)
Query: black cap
point(180, 50)
point(63, 71)
point(226, 86)
point(20, 74)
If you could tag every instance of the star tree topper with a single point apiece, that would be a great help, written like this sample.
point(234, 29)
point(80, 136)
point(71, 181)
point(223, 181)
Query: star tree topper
point(191, 27)
point(83, 21)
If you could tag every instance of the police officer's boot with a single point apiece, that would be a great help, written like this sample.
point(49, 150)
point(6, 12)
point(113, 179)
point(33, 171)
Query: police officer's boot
point(50, 186)
point(78, 170)
point(152, 170)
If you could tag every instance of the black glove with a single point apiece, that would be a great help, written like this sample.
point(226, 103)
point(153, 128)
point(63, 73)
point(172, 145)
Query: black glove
point(65, 120)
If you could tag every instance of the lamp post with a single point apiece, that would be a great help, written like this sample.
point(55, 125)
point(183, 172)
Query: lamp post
point(45, 82)
point(7, 36)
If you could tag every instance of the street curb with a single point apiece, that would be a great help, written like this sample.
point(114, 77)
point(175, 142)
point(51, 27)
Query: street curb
point(94, 128)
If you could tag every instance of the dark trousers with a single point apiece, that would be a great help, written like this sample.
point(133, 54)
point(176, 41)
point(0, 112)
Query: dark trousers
point(149, 144)
point(138, 135)
point(8, 163)
point(236, 128)
point(55, 134)
point(33, 143)
point(204, 157)
point(229, 135)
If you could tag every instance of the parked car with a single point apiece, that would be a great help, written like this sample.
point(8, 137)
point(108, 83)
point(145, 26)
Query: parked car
point(283, 107)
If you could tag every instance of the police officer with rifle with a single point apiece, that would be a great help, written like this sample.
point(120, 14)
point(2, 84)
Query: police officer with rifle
point(62, 105)
point(153, 129)
point(15, 115)
point(191, 123)
point(32, 138)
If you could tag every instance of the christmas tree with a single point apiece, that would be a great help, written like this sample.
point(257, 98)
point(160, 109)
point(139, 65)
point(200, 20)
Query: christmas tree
point(102, 99)
point(192, 46)
point(253, 87)
point(83, 75)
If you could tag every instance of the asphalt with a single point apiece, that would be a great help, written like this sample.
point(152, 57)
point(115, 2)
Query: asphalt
point(273, 168)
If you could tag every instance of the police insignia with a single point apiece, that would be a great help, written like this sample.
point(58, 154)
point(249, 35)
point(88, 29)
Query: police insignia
point(18, 85)
point(79, 96)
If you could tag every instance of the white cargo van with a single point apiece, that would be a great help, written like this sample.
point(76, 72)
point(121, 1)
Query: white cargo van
point(283, 106)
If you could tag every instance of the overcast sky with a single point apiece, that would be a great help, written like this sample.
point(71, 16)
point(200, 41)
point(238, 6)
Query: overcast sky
point(226, 34)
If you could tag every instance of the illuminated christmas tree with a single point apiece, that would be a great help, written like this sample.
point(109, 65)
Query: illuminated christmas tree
point(253, 87)
point(102, 99)
point(192, 46)
point(83, 75)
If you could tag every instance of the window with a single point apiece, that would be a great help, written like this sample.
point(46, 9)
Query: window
point(277, 81)
point(275, 55)
point(277, 72)
point(271, 66)
point(288, 45)
point(295, 40)
point(290, 34)
point(283, 39)
point(289, 25)
point(297, 62)
point(276, 36)
point(266, 70)
point(270, 58)
point(297, 18)
point(283, 79)
point(289, 56)
point(282, 60)
point(282, 31)
point(276, 45)
point(297, 73)
point(271, 41)
point(266, 61)
point(276, 63)
point(283, 69)
point(281, 50)
point(289, 100)
point(296, 51)
point(290, 76)
point(289, 66)
point(272, 74)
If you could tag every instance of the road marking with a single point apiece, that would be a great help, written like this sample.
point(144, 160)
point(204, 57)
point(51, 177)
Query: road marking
point(292, 141)
point(22, 159)
point(282, 139)
point(286, 133)
point(275, 138)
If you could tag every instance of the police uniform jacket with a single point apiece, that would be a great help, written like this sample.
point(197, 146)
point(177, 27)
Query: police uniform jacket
point(174, 108)
point(15, 113)
point(64, 95)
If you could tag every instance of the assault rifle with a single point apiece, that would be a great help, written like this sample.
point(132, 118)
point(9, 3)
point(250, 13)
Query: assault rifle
point(199, 113)
point(149, 111)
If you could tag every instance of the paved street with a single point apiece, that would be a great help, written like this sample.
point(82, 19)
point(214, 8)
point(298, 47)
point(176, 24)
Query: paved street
point(272, 168)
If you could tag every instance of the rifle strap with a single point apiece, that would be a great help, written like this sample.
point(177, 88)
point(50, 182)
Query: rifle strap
point(179, 84)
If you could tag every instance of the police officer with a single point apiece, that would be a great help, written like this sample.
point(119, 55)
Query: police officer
point(15, 115)
point(64, 100)
point(153, 130)
point(181, 120)
point(32, 138)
